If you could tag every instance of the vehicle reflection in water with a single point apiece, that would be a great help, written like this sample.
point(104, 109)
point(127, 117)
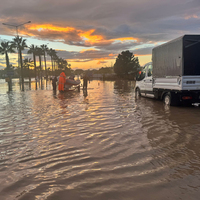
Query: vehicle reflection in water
point(173, 133)
point(99, 144)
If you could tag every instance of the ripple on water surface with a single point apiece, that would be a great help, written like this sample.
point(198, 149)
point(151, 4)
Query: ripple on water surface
point(97, 145)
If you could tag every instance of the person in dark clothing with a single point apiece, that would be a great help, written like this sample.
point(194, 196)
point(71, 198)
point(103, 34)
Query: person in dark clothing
point(54, 82)
point(85, 81)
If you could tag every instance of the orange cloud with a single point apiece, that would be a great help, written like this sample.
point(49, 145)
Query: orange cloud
point(126, 38)
point(41, 27)
point(111, 55)
point(88, 35)
point(84, 50)
point(71, 35)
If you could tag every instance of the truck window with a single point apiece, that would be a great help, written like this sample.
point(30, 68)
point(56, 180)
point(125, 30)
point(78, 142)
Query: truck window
point(149, 70)
point(143, 73)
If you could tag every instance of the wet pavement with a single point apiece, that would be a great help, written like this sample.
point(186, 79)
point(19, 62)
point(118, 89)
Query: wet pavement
point(99, 144)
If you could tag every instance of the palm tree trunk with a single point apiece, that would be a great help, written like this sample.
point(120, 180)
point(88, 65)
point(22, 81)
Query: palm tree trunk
point(45, 69)
point(29, 77)
point(34, 60)
point(9, 76)
point(22, 71)
point(52, 64)
point(40, 69)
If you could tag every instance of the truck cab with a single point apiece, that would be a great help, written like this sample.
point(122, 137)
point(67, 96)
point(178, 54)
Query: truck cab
point(144, 83)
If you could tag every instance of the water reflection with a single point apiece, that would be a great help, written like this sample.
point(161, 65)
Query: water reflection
point(99, 144)
point(122, 86)
point(174, 136)
point(85, 93)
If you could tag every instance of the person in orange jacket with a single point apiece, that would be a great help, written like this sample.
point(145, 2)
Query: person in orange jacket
point(61, 82)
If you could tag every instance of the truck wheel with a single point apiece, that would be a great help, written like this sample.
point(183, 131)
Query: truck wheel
point(171, 99)
point(167, 99)
point(137, 93)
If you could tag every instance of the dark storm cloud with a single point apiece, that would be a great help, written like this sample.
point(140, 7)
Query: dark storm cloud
point(71, 36)
point(87, 55)
point(116, 47)
point(142, 51)
point(83, 56)
point(148, 21)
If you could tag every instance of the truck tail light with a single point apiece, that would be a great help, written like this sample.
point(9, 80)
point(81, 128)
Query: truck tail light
point(186, 97)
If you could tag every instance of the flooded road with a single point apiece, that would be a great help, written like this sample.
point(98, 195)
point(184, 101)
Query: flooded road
point(99, 145)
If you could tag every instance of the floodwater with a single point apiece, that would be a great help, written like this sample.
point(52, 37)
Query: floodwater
point(99, 145)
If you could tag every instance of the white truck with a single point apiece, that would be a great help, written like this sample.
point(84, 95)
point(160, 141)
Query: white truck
point(174, 73)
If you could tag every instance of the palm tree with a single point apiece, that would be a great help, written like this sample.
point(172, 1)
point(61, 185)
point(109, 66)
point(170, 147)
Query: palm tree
point(65, 63)
point(6, 48)
point(39, 53)
point(52, 53)
point(69, 70)
point(60, 63)
point(56, 61)
point(45, 49)
point(27, 64)
point(20, 44)
point(33, 50)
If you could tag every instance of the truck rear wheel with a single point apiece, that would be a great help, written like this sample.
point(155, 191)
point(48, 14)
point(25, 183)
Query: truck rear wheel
point(167, 99)
point(171, 99)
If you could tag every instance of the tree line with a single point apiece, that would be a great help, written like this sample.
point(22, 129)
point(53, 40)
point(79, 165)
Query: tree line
point(126, 63)
point(18, 44)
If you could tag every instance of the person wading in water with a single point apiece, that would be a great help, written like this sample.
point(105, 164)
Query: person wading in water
point(54, 81)
point(85, 81)
point(61, 82)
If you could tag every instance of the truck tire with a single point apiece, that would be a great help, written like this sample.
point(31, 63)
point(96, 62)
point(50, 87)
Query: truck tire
point(171, 99)
point(137, 93)
point(167, 99)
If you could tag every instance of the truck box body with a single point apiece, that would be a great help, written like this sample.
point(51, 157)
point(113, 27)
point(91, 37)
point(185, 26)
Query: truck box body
point(176, 64)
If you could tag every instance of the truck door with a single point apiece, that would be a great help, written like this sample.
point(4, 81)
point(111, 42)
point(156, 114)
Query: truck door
point(143, 79)
point(148, 80)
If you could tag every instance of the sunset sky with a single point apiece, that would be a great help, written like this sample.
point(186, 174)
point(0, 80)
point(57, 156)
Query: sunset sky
point(90, 34)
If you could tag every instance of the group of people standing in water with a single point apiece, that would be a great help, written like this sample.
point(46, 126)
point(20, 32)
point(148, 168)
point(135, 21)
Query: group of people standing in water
point(62, 81)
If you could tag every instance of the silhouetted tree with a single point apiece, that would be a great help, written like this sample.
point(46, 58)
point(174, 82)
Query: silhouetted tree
point(45, 49)
point(55, 61)
point(65, 64)
point(126, 63)
point(60, 63)
point(20, 44)
point(6, 48)
point(51, 52)
point(105, 70)
point(33, 50)
point(79, 71)
point(27, 64)
point(39, 53)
